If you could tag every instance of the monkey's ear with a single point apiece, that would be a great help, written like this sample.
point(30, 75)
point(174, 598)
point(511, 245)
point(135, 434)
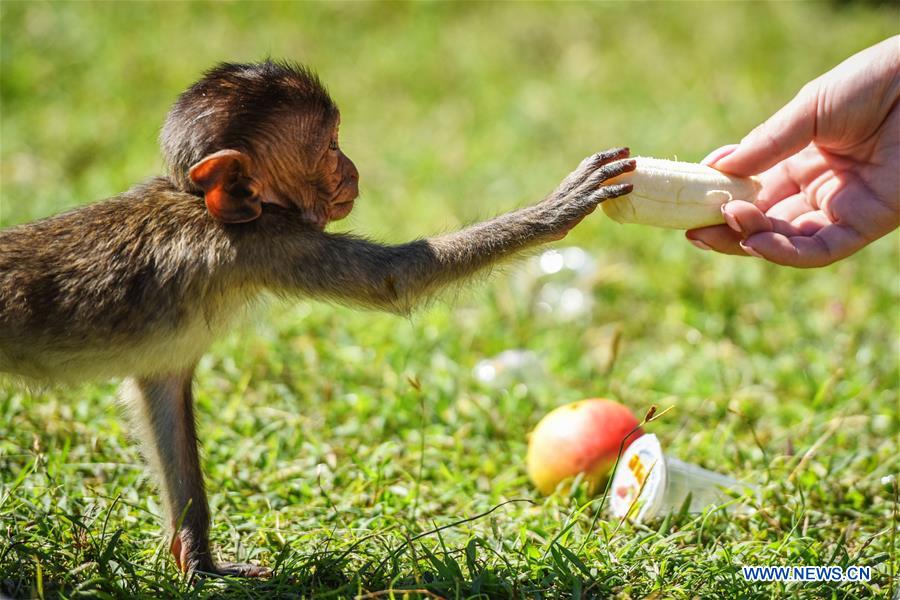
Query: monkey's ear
point(224, 177)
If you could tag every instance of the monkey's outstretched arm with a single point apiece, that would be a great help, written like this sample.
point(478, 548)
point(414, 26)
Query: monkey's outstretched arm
point(350, 269)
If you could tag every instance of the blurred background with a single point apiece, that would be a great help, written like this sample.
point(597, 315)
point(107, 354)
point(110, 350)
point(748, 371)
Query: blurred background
point(454, 113)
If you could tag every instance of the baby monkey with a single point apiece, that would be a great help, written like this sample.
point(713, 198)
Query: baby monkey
point(139, 285)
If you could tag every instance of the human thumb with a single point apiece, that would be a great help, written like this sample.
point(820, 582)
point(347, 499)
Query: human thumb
point(782, 135)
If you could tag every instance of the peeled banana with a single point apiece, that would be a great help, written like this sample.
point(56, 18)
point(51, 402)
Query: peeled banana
point(677, 195)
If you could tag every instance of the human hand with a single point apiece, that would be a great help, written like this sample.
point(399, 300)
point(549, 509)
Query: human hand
point(829, 164)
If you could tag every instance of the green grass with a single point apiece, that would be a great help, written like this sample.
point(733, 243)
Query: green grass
point(338, 443)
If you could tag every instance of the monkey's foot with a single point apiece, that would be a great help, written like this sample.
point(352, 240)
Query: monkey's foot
point(234, 569)
point(198, 561)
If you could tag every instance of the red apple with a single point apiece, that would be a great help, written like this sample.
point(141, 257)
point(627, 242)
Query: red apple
point(581, 437)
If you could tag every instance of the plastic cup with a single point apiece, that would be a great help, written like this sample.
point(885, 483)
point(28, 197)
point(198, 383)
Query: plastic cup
point(649, 484)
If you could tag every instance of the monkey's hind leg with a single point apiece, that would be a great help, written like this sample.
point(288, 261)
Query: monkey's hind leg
point(163, 413)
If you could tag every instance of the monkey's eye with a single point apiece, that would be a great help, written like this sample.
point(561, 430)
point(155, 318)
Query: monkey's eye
point(333, 145)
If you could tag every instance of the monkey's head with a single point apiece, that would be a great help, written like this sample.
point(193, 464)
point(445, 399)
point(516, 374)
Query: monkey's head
point(265, 133)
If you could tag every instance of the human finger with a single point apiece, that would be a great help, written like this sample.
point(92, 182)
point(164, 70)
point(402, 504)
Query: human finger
point(831, 243)
point(782, 135)
point(776, 184)
point(720, 238)
point(790, 208)
point(718, 154)
point(811, 222)
point(744, 218)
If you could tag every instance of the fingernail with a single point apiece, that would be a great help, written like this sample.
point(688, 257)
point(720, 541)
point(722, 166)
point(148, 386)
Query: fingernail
point(699, 244)
point(749, 250)
point(732, 222)
point(718, 154)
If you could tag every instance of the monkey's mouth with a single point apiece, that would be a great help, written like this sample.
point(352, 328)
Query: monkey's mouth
point(339, 210)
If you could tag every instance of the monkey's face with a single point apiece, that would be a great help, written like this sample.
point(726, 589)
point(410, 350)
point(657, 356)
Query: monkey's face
point(297, 164)
point(337, 181)
point(319, 180)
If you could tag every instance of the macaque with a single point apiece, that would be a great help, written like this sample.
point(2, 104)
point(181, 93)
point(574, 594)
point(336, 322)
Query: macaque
point(139, 285)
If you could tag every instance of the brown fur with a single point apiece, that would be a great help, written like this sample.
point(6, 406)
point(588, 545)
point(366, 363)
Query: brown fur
point(139, 285)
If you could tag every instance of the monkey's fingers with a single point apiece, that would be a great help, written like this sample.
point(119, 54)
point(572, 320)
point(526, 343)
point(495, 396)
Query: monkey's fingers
point(600, 161)
point(586, 200)
point(588, 167)
point(607, 156)
point(581, 205)
point(608, 171)
point(605, 192)
point(585, 203)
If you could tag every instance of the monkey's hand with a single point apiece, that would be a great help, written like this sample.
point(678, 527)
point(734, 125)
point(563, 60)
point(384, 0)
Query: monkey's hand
point(582, 191)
